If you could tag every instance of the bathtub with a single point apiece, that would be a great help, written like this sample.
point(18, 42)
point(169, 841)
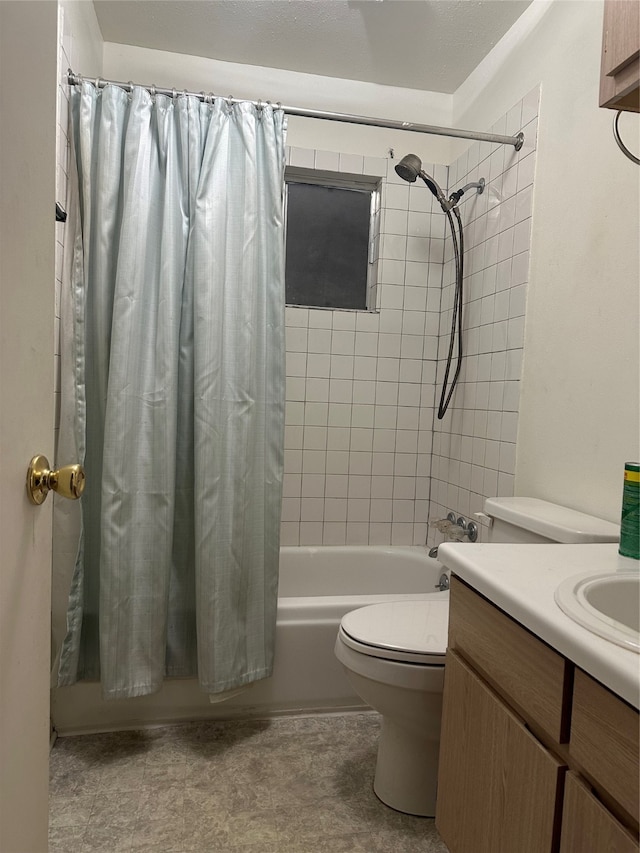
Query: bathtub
point(318, 585)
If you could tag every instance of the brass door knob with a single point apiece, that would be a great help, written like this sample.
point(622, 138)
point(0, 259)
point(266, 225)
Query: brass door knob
point(67, 481)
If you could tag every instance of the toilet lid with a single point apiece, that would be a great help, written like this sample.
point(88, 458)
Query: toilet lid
point(412, 631)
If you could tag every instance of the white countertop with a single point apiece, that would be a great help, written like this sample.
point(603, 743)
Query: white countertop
point(522, 579)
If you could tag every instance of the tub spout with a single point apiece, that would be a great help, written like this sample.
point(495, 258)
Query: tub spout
point(433, 552)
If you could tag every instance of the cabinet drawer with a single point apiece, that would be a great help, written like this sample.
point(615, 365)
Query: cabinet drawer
point(530, 675)
point(604, 741)
point(587, 826)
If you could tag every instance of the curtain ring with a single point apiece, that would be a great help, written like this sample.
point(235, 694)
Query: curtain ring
point(229, 102)
point(97, 82)
point(174, 94)
point(152, 91)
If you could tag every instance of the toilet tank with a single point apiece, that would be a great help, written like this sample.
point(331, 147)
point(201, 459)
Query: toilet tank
point(531, 520)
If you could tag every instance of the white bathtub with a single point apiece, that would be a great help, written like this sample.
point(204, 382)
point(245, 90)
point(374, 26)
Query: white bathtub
point(318, 585)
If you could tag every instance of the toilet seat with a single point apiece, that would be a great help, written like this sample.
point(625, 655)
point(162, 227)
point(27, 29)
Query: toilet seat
point(403, 631)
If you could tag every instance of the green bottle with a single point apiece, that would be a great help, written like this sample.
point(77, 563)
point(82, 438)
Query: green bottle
point(630, 522)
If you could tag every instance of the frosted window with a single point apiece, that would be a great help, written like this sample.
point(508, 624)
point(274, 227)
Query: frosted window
point(327, 250)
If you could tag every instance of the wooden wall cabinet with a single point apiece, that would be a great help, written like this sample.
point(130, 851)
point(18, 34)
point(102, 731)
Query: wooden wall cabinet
point(620, 67)
point(520, 768)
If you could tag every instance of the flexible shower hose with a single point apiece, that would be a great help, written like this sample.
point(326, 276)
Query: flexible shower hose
point(456, 319)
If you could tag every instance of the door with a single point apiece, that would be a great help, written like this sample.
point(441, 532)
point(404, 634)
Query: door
point(28, 36)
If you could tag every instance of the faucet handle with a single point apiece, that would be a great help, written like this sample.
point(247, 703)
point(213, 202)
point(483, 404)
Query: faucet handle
point(442, 525)
point(472, 531)
point(456, 534)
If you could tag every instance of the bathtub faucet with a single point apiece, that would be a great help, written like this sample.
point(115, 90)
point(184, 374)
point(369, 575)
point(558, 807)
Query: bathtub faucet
point(455, 530)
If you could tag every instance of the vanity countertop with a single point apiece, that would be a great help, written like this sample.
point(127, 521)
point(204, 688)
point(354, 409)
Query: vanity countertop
point(522, 579)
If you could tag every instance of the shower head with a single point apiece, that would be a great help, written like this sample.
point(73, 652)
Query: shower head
point(410, 168)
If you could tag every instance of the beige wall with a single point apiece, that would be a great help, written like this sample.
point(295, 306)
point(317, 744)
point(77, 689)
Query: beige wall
point(579, 404)
point(125, 62)
point(82, 41)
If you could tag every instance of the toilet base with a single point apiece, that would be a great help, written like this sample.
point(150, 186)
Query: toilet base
point(408, 696)
point(407, 770)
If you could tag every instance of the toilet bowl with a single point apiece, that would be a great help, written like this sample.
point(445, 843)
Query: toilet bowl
point(393, 654)
point(394, 657)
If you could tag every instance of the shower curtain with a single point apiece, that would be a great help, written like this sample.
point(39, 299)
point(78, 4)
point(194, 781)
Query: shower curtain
point(176, 294)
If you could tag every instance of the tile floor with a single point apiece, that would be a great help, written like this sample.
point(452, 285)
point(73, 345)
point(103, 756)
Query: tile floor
point(286, 785)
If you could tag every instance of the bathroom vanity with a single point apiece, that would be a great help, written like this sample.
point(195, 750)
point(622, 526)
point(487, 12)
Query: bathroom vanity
point(539, 743)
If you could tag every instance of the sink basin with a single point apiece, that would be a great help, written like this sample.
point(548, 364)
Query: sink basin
point(607, 604)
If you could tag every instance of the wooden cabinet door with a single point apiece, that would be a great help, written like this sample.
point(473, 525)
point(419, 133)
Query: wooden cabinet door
point(620, 35)
point(588, 827)
point(497, 785)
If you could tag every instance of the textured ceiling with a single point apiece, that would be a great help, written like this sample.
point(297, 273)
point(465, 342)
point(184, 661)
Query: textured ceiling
point(420, 44)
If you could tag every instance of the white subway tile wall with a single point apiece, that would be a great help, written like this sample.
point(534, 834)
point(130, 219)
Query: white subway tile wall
point(474, 446)
point(360, 384)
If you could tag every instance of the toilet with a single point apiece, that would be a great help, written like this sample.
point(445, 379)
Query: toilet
point(394, 654)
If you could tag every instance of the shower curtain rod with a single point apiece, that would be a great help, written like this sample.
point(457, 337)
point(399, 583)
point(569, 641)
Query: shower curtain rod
point(517, 141)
